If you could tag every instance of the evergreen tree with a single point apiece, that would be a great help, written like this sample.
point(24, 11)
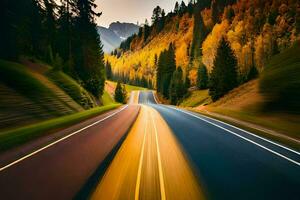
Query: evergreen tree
point(20, 28)
point(214, 12)
point(202, 77)
point(120, 93)
point(146, 30)
point(199, 35)
point(108, 70)
point(89, 64)
point(50, 25)
point(157, 13)
point(176, 9)
point(177, 88)
point(190, 8)
point(252, 73)
point(223, 77)
point(166, 67)
point(182, 8)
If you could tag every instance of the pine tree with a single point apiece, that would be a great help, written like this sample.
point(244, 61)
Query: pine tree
point(50, 25)
point(176, 9)
point(146, 30)
point(199, 35)
point(157, 13)
point(108, 70)
point(177, 88)
point(214, 12)
point(182, 8)
point(165, 68)
point(20, 28)
point(89, 64)
point(202, 77)
point(120, 93)
point(223, 77)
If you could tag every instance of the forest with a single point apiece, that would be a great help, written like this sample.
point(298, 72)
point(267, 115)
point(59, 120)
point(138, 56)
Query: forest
point(217, 45)
point(60, 33)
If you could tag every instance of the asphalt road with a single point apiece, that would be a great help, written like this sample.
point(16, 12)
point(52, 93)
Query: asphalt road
point(149, 165)
point(62, 168)
point(231, 163)
point(168, 153)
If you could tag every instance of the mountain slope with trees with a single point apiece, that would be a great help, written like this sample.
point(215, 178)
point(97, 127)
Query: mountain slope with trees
point(112, 37)
point(253, 31)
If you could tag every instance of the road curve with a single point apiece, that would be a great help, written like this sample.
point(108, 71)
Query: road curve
point(60, 170)
point(232, 163)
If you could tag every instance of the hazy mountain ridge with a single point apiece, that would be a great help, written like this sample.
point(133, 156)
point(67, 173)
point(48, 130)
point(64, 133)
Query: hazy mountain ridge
point(117, 32)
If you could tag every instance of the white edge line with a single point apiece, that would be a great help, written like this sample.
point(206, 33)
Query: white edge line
point(252, 134)
point(274, 152)
point(155, 98)
point(160, 170)
point(60, 140)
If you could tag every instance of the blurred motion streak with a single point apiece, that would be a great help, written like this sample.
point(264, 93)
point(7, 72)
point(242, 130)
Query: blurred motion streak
point(149, 165)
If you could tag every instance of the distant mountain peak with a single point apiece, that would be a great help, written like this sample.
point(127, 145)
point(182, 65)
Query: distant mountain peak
point(117, 32)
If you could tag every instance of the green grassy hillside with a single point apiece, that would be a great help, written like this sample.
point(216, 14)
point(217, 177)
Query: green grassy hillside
point(72, 88)
point(280, 81)
point(196, 98)
point(29, 96)
point(107, 99)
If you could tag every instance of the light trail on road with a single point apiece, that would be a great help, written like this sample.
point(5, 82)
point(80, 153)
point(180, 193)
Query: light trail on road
point(149, 165)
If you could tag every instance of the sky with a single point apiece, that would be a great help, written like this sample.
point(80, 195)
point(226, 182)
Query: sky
point(130, 10)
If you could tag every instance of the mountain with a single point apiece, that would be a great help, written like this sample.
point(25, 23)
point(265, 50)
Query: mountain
point(117, 32)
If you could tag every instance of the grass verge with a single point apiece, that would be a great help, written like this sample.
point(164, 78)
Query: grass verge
point(107, 99)
point(12, 138)
point(196, 98)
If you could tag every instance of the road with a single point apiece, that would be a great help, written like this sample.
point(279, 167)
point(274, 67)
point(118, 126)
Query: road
point(231, 163)
point(153, 151)
point(149, 165)
point(62, 168)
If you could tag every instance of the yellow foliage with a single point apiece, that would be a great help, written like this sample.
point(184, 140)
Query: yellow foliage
point(211, 43)
point(140, 60)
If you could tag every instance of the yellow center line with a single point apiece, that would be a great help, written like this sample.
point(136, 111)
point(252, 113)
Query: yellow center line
point(160, 171)
point(138, 180)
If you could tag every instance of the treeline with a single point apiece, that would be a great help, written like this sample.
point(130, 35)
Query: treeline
point(62, 34)
point(159, 19)
point(121, 77)
point(170, 81)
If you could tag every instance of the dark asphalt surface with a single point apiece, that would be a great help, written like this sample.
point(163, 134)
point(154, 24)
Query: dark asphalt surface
point(62, 170)
point(230, 163)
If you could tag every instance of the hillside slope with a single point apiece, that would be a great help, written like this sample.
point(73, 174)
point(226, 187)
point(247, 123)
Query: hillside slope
point(140, 60)
point(29, 96)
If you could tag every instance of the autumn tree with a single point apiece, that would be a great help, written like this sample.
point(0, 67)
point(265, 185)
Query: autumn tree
point(223, 77)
